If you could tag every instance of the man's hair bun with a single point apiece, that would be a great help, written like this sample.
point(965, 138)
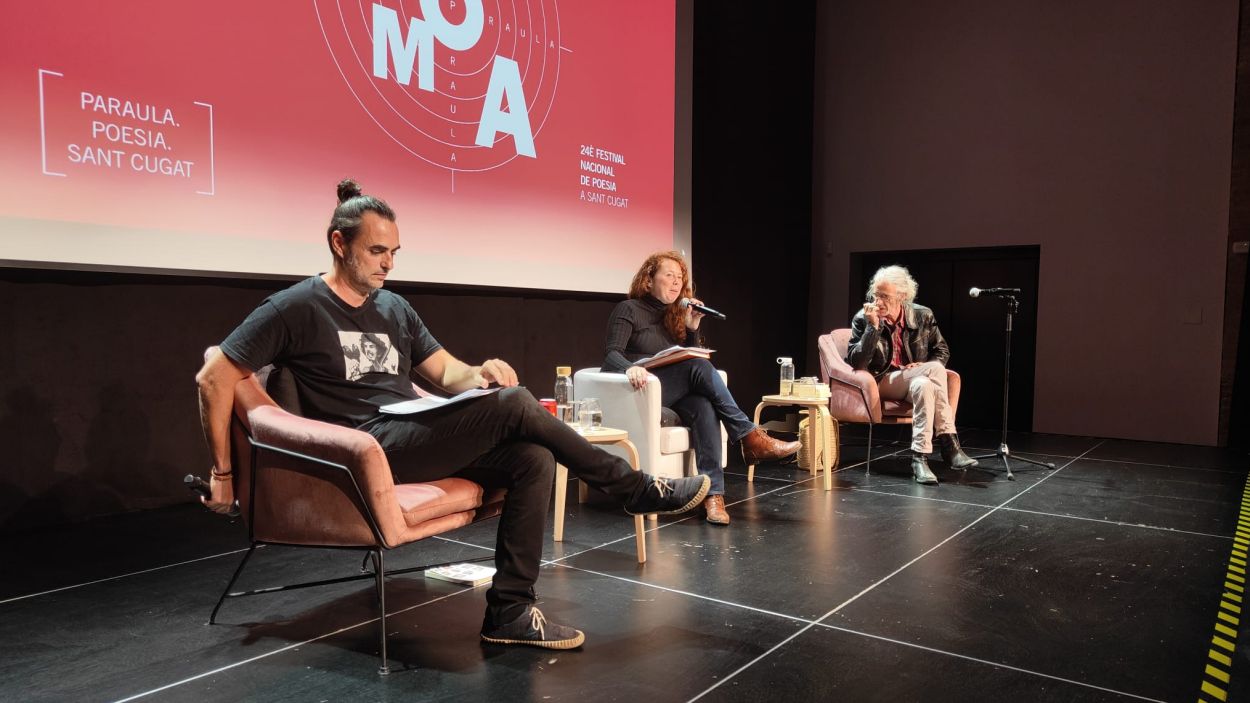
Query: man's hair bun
point(348, 189)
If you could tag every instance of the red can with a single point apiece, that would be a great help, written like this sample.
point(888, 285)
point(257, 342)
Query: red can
point(549, 404)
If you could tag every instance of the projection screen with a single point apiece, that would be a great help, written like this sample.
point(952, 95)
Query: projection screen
point(523, 143)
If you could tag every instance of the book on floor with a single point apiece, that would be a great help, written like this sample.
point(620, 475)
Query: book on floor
point(464, 574)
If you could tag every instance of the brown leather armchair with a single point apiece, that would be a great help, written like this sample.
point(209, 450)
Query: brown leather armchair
point(854, 396)
point(302, 482)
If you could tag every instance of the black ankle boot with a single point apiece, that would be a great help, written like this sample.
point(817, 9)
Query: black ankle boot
point(952, 454)
point(920, 470)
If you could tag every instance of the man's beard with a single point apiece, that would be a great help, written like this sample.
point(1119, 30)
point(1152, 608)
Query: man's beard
point(358, 277)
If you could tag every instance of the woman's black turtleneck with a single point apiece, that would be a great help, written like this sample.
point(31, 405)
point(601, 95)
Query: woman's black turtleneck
point(636, 330)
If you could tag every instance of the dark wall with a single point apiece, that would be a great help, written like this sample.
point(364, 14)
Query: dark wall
point(752, 187)
point(1240, 400)
point(1100, 132)
point(1235, 379)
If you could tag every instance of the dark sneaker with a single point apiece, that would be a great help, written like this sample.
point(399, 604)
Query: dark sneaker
point(920, 470)
point(533, 629)
point(668, 496)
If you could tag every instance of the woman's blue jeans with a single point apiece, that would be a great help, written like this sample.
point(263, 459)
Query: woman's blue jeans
point(694, 390)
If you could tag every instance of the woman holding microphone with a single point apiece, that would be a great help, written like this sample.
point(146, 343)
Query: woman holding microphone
point(653, 319)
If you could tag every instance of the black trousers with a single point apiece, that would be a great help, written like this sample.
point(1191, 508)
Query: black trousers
point(504, 439)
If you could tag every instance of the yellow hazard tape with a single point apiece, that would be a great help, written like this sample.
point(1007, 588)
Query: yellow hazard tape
point(1216, 675)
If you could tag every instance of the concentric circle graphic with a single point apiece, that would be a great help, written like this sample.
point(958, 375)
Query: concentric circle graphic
point(440, 123)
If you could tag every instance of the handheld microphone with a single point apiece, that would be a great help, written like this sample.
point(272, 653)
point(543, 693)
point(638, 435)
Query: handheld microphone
point(975, 292)
point(688, 303)
point(195, 484)
point(201, 488)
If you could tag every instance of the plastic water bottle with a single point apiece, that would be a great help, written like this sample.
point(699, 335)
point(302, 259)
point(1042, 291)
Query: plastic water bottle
point(787, 374)
point(564, 394)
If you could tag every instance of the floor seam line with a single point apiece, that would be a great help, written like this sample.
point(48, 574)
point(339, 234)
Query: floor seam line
point(887, 577)
point(118, 576)
point(289, 647)
point(657, 528)
point(1039, 512)
point(986, 662)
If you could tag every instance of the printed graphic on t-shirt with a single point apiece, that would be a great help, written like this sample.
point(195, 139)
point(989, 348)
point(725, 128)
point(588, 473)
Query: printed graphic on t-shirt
point(368, 352)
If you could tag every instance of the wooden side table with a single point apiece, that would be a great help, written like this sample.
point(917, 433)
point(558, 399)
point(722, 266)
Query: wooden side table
point(602, 435)
point(818, 410)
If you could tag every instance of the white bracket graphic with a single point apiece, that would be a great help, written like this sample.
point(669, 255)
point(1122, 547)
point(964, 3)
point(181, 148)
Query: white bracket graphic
point(43, 135)
point(212, 151)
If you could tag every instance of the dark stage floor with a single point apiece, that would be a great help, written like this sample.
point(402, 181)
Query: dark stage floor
point(1100, 581)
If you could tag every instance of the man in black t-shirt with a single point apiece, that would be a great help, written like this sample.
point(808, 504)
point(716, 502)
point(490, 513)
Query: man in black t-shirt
point(352, 347)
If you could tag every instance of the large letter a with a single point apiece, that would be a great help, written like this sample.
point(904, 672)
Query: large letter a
point(505, 81)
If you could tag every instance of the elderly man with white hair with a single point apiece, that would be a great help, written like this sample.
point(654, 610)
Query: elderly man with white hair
point(899, 343)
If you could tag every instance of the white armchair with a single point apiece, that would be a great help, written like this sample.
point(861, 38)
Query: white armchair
point(662, 451)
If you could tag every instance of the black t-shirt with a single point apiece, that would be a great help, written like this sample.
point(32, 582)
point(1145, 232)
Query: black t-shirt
point(346, 361)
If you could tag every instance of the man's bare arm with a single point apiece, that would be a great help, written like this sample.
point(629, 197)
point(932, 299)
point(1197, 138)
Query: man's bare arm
point(216, 382)
point(455, 376)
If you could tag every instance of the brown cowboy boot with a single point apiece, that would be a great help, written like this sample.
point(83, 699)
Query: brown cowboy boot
point(715, 508)
point(758, 446)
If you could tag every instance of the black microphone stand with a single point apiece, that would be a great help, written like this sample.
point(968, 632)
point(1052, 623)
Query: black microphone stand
point(1013, 306)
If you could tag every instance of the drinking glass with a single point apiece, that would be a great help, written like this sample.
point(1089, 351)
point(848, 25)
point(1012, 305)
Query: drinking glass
point(590, 415)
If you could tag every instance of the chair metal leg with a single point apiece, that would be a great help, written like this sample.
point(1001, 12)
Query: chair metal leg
point(212, 619)
point(364, 569)
point(379, 568)
point(868, 461)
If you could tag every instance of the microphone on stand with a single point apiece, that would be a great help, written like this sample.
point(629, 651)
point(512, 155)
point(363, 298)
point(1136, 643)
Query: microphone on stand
point(688, 303)
point(975, 292)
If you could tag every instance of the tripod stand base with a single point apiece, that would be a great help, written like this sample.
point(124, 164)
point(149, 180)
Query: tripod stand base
point(1004, 453)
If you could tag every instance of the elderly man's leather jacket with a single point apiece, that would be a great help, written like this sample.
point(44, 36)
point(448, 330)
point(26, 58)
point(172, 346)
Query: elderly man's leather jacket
point(872, 348)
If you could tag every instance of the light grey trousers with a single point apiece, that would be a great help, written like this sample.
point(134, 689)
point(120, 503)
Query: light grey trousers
point(925, 386)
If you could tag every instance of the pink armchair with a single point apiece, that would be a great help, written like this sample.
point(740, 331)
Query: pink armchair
point(854, 396)
point(302, 482)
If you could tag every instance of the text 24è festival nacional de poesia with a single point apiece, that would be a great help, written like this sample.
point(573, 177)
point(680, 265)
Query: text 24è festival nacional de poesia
point(603, 178)
point(109, 136)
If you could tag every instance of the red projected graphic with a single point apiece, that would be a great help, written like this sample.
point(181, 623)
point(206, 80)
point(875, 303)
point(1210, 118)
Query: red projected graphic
point(435, 110)
point(523, 143)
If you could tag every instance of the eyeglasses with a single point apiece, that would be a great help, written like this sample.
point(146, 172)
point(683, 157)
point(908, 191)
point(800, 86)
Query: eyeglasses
point(874, 297)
